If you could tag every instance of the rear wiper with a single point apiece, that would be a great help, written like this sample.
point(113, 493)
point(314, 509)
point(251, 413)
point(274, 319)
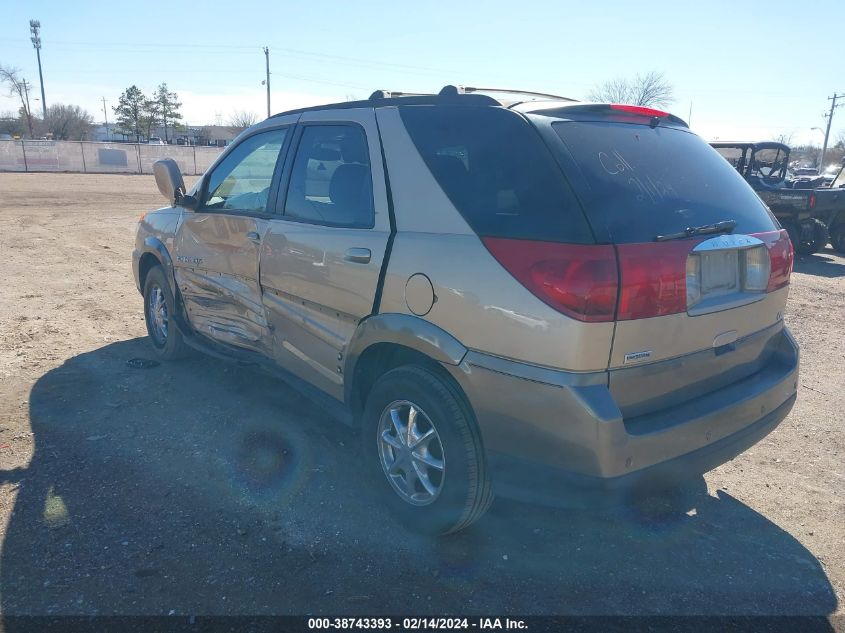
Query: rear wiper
point(725, 226)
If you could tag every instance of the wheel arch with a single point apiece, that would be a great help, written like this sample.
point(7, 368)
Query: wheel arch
point(155, 254)
point(386, 341)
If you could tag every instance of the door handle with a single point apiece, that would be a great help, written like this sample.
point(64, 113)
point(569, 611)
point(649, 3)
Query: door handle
point(358, 255)
point(252, 236)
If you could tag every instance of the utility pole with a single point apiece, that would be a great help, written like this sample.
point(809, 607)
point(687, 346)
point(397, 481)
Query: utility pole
point(106, 117)
point(267, 59)
point(35, 29)
point(833, 106)
point(25, 85)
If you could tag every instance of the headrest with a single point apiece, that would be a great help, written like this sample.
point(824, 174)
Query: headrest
point(353, 149)
point(348, 189)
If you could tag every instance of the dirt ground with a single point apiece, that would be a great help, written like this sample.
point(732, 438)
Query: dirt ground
point(202, 487)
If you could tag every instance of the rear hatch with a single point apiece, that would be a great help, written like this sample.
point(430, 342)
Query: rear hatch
point(702, 264)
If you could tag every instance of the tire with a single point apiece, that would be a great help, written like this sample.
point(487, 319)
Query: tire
point(803, 237)
point(819, 236)
point(794, 236)
point(837, 237)
point(459, 492)
point(167, 342)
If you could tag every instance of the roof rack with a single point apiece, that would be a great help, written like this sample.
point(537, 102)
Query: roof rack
point(469, 89)
point(451, 91)
point(390, 94)
point(448, 94)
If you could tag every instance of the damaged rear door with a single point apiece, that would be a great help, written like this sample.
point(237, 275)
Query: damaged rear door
point(217, 246)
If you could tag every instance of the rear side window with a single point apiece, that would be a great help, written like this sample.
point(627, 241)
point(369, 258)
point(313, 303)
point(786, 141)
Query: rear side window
point(497, 172)
point(330, 180)
point(647, 181)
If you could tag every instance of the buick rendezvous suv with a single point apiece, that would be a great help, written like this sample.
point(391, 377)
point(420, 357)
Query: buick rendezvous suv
point(543, 298)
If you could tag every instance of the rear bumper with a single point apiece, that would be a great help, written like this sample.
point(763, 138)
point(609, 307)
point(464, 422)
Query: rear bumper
point(551, 436)
point(529, 481)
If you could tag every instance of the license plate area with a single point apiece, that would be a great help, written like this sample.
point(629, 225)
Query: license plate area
point(719, 273)
point(726, 272)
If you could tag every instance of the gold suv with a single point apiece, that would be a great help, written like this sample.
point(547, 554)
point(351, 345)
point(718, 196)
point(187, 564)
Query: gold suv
point(541, 297)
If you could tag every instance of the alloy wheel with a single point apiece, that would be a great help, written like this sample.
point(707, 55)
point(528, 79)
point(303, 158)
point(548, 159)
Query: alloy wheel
point(411, 453)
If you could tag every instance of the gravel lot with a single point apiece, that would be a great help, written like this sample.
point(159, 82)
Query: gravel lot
point(203, 487)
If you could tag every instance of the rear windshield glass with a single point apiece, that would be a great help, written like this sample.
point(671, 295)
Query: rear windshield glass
point(497, 172)
point(647, 181)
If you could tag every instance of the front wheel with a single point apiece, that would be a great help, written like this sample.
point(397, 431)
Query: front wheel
point(159, 311)
point(423, 449)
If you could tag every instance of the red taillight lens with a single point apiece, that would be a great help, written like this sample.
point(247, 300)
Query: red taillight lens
point(653, 278)
point(781, 256)
point(641, 110)
point(812, 201)
point(579, 280)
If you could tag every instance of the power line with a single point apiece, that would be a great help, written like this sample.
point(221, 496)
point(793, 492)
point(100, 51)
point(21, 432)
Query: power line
point(242, 49)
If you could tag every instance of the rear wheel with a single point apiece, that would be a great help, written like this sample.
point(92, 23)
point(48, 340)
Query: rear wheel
point(808, 237)
point(837, 237)
point(423, 450)
point(794, 236)
point(159, 310)
point(818, 235)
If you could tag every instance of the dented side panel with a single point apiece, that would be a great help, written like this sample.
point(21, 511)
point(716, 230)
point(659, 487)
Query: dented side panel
point(216, 269)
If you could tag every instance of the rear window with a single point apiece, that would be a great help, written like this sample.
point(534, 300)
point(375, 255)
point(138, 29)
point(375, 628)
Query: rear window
point(647, 181)
point(497, 172)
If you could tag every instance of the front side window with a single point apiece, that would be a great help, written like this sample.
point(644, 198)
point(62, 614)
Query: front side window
point(330, 181)
point(242, 181)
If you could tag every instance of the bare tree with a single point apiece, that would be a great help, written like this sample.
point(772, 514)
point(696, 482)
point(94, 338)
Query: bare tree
point(784, 137)
point(650, 89)
point(17, 87)
point(12, 123)
point(68, 122)
point(241, 120)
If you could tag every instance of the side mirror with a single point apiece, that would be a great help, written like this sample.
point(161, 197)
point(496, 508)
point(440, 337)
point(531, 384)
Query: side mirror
point(169, 180)
point(189, 202)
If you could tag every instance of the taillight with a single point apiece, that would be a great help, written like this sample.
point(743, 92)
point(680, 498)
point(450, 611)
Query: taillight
point(756, 269)
point(579, 280)
point(812, 201)
point(641, 110)
point(781, 256)
point(653, 278)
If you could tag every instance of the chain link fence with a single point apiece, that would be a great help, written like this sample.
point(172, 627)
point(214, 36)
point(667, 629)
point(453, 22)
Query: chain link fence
point(101, 158)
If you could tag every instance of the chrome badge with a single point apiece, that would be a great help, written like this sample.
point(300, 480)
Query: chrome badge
point(635, 357)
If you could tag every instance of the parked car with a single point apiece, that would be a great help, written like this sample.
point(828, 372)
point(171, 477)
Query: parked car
point(830, 173)
point(554, 300)
point(155, 140)
point(811, 214)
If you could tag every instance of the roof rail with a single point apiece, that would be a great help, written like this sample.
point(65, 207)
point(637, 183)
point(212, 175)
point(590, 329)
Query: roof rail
point(389, 94)
point(469, 89)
